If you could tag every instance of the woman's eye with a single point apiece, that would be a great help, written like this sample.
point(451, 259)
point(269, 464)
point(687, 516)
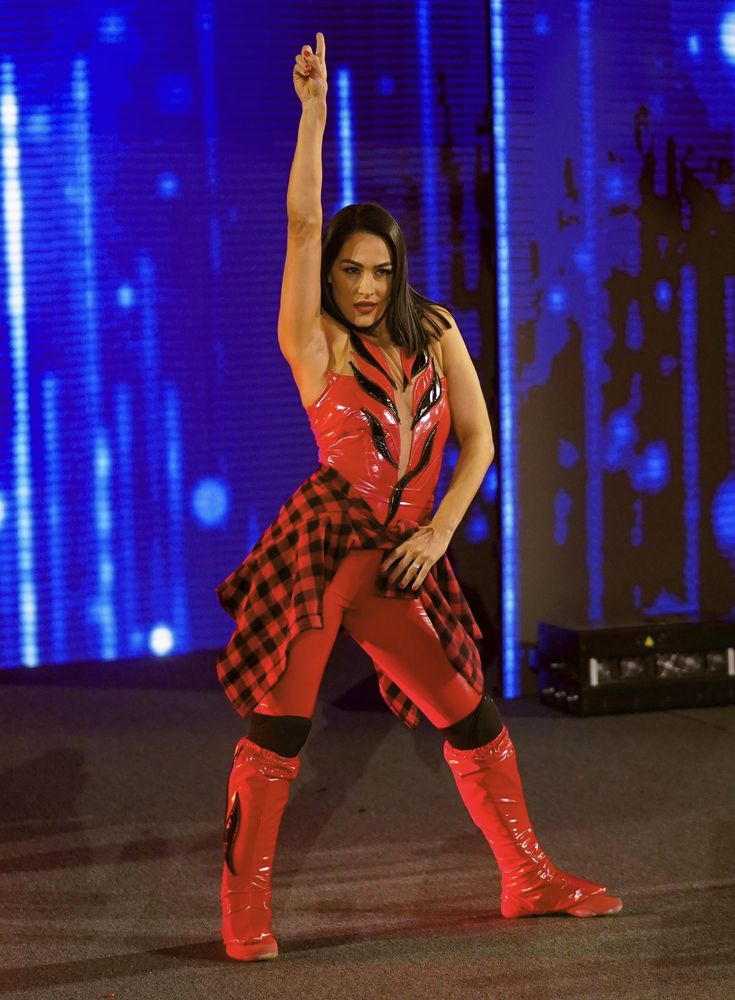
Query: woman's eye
point(382, 270)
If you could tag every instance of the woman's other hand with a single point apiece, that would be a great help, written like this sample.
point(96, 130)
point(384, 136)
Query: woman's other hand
point(415, 556)
point(310, 72)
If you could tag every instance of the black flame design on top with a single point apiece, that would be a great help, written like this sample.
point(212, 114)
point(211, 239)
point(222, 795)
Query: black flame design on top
point(430, 398)
point(379, 438)
point(419, 363)
point(359, 348)
point(232, 824)
point(374, 390)
point(427, 402)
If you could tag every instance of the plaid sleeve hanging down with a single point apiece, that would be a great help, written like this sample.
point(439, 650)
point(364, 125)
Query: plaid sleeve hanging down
point(276, 592)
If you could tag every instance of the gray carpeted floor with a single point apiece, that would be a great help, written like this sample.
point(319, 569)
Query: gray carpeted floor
point(112, 808)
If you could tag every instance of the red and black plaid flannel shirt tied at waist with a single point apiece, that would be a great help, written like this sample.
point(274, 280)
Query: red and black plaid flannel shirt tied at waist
point(276, 592)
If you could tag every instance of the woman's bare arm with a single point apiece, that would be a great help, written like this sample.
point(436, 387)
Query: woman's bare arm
point(301, 287)
point(472, 427)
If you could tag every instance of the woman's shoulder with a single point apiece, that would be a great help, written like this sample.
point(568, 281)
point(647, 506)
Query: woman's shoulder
point(442, 310)
point(437, 315)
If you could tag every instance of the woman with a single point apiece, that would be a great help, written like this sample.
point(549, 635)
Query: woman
point(381, 371)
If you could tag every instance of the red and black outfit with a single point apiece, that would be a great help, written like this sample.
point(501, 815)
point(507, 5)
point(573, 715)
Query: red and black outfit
point(278, 593)
point(353, 501)
point(316, 570)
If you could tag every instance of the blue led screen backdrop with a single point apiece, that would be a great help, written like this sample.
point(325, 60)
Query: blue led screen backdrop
point(151, 428)
point(579, 187)
point(617, 308)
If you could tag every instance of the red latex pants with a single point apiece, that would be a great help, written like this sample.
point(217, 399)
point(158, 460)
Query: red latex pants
point(395, 632)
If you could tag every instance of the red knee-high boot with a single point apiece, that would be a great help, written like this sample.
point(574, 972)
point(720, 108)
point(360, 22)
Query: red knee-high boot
point(257, 793)
point(488, 781)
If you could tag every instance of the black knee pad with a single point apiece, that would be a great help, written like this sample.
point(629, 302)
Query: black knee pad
point(481, 726)
point(283, 734)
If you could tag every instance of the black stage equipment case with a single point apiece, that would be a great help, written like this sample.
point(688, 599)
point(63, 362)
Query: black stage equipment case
point(659, 663)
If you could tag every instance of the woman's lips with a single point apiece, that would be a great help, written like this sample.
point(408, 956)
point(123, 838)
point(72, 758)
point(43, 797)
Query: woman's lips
point(366, 309)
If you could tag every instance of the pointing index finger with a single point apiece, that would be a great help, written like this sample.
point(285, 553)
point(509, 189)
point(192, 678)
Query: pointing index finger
point(321, 47)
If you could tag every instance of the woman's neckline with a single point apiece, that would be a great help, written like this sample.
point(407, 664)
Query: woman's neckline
point(406, 360)
point(442, 378)
point(332, 374)
point(381, 357)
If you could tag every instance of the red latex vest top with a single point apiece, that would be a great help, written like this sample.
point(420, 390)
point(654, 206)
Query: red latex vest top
point(357, 428)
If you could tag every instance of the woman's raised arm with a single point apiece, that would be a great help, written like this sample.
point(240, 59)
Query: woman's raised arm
point(301, 287)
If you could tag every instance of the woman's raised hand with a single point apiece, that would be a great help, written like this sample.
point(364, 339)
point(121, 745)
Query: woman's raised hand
point(310, 72)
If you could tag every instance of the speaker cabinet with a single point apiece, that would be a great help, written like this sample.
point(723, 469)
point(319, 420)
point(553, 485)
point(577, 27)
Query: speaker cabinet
point(655, 664)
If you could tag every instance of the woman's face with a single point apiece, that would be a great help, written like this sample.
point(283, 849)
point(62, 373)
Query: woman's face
point(361, 272)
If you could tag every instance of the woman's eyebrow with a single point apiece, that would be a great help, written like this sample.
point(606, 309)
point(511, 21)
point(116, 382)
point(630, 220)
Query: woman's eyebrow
point(348, 260)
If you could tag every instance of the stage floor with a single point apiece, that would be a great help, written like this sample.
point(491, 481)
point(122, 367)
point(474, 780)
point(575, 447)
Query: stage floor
point(112, 808)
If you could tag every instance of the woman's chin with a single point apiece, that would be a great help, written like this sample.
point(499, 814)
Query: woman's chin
point(365, 322)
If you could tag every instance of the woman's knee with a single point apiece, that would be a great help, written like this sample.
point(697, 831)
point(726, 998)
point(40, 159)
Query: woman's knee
point(481, 726)
point(283, 734)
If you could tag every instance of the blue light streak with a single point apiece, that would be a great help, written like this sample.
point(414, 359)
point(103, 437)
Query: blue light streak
point(128, 583)
point(15, 305)
point(591, 346)
point(489, 488)
point(8, 585)
point(346, 144)
point(690, 434)
point(568, 454)
point(694, 43)
point(723, 518)
point(38, 125)
point(634, 328)
point(180, 632)
point(727, 35)
point(55, 527)
point(112, 28)
point(730, 365)
point(101, 606)
point(156, 595)
point(636, 540)
point(562, 510)
point(207, 60)
point(150, 367)
point(429, 214)
point(510, 644)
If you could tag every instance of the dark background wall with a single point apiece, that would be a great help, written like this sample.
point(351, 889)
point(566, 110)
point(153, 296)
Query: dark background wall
point(622, 308)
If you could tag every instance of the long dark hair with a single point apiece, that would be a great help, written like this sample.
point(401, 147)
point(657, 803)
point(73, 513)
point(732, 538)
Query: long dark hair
point(406, 307)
